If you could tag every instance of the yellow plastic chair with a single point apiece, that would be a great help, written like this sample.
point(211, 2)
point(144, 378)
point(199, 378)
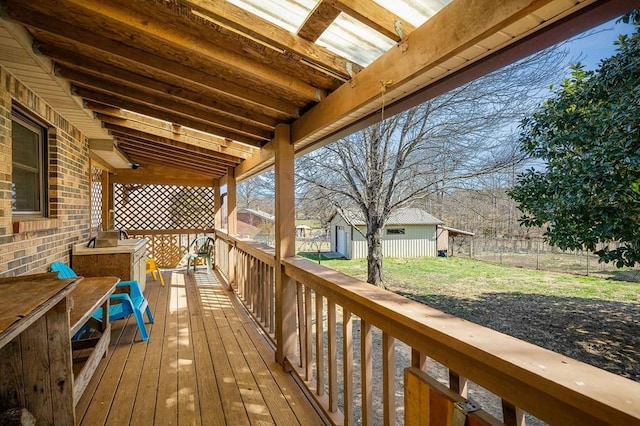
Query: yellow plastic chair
point(153, 268)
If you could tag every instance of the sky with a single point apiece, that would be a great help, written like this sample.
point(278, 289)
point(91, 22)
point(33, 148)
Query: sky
point(599, 44)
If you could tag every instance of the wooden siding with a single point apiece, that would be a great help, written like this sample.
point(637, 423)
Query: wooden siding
point(36, 244)
point(205, 362)
point(417, 241)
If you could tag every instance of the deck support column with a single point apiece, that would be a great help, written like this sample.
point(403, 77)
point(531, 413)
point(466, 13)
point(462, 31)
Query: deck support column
point(285, 233)
point(232, 223)
point(217, 204)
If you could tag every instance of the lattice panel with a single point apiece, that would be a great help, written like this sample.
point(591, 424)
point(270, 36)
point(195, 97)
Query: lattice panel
point(96, 199)
point(163, 207)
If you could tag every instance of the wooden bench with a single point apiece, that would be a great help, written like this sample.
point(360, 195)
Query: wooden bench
point(90, 294)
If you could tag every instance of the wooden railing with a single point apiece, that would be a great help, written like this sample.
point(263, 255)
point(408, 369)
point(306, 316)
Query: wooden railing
point(168, 246)
point(351, 336)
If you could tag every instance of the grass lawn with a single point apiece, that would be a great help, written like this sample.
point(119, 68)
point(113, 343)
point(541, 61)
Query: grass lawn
point(468, 279)
point(592, 319)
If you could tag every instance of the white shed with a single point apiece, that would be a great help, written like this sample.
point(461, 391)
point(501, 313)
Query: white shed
point(409, 232)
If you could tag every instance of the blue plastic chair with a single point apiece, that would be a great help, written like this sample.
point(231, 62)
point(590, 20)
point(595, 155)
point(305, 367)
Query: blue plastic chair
point(132, 302)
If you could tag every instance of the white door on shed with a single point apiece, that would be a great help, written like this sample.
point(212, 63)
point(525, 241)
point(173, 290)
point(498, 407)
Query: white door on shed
point(341, 241)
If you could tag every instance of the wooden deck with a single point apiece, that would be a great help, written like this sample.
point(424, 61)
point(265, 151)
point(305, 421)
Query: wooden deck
point(205, 363)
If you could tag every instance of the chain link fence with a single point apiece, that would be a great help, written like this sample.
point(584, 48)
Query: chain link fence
point(535, 253)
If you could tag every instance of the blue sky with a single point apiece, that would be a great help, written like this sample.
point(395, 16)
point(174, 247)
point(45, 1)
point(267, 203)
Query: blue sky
point(599, 44)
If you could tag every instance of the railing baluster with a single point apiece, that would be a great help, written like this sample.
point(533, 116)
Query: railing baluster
point(307, 333)
point(389, 378)
point(458, 383)
point(332, 356)
point(512, 415)
point(347, 366)
point(272, 287)
point(301, 322)
point(319, 346)
point(265, 295)
point(418, 360)
point(366, 373)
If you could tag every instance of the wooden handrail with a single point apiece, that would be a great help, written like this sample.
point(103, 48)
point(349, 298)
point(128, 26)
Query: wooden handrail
point(548, 385)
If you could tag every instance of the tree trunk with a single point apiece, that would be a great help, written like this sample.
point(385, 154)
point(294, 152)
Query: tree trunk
point(374, 257)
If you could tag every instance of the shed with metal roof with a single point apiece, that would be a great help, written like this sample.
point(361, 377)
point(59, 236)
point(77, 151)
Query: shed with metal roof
point(409, 232)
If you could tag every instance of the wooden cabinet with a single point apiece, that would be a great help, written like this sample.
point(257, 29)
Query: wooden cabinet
point(35, 350)
point(126, 260)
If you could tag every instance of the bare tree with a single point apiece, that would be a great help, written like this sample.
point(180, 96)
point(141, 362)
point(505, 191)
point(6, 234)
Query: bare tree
point(257, 192)
point(442, 144)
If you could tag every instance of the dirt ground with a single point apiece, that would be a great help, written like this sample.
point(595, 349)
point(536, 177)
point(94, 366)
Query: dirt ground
point(602, 333)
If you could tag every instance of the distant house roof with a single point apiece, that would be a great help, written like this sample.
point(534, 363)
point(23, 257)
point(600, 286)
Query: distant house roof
point(259, 213)
point(406, 216)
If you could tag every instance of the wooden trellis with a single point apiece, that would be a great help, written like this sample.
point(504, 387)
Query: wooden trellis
point(96, 199)
point(163, 207)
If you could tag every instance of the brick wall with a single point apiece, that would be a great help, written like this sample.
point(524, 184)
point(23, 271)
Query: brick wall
point(36, 244)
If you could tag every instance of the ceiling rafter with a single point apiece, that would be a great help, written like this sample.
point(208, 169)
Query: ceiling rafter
point(206, 101)
point(243, 22)
point(160, 38)
point(226, 127)
point(100, 103)
point(90, 95)
point(374, 16)
point(50, 31)
point(150, 160)
point(226, 149)
point(318, 20)
point(157, 153)
point(168, 144)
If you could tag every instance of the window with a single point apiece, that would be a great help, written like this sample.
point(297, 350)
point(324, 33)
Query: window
point(395, 231)
point(28, 183)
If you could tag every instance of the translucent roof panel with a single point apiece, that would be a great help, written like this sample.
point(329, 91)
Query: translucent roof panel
point(353, 40)
point(415, 12)
point(288, 14)
point(346, 36)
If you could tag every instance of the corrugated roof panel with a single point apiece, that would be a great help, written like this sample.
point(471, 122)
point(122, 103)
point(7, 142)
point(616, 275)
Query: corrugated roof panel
point(353, 40)
point(416, 12)
point(288, 14)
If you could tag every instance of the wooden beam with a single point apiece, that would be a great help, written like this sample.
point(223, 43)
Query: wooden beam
point(152, 134)
point(65, 35)
point(208, 122)
point(318, 20)
point(159, 175)
point(126, 108)
point(210, 101)
point(177, 147)
point(167, 157)
point(374, 16)
point(426, 47)
point(145, 159)
point(250, 25)
point(125, 24)
point(168, 153)
point(257, 163)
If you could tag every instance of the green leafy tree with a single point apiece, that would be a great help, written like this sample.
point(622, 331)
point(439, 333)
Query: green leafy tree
point(588, 135)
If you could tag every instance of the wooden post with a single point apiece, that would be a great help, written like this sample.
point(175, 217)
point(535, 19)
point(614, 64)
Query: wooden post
point(106, 190)
point(232, 224)
point(285, 234)
point(217, 204)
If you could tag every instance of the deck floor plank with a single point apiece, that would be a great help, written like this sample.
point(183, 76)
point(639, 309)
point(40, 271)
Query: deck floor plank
point(147, 393)
point(205, 363)
point(208, 393)
point(167, 397)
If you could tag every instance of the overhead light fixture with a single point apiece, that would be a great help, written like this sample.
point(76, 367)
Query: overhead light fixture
point(108, 151)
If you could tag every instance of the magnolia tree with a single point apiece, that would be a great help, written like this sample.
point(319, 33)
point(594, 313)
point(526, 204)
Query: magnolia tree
point(588, 135)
